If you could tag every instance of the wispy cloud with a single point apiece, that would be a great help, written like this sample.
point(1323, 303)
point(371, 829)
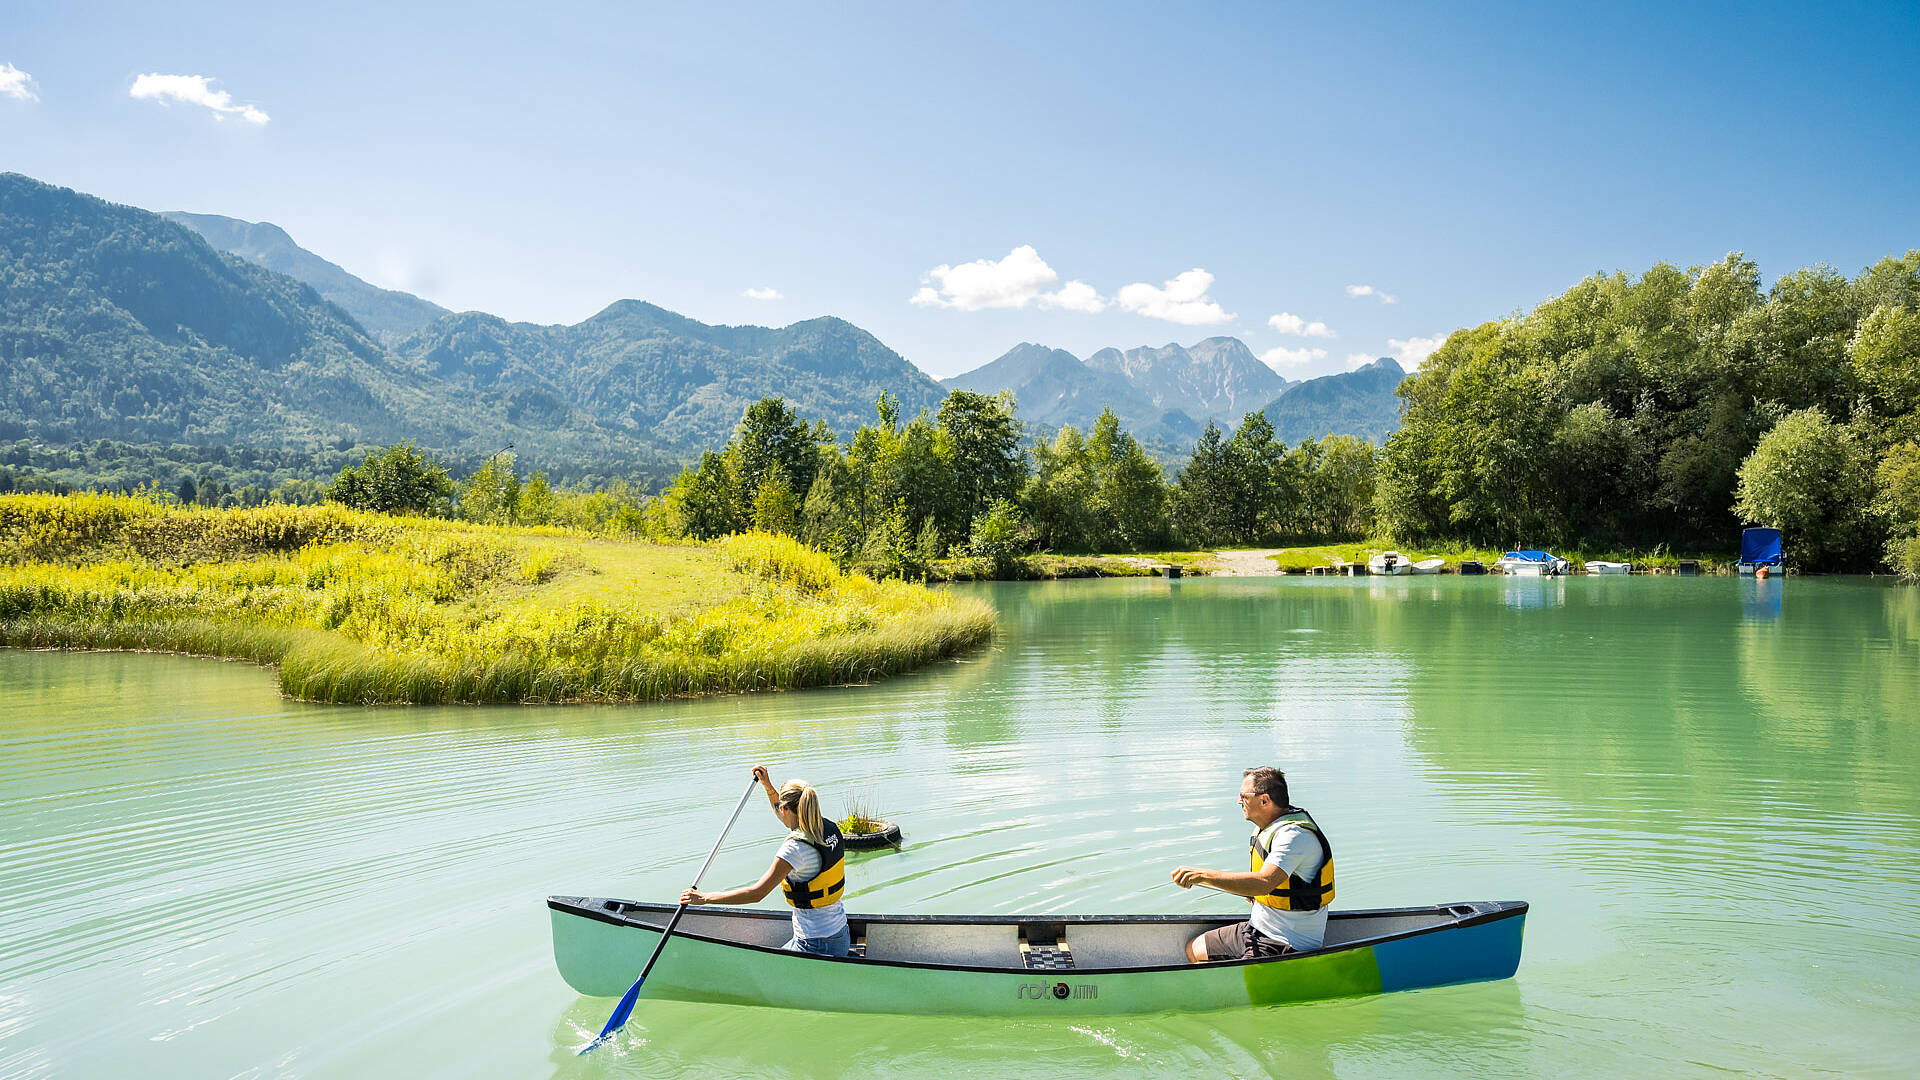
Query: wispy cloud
point(1359, 359)
point(1368, 290)
point(1412, 352)
point(16, 84)
point(1182, 300)
point(194, 90)
point(1289, 323)
point(1021, 278)
point(763, 294)
point(1291, 358)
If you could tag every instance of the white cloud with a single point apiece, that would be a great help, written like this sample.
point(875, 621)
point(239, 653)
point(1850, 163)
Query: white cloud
point(1183, 300)
point(1021, 278)
point(16, 84)
point(1291, 358)
point(1413, 352)
point(1368, 290)
point(1359, 359)
point(194, 90)
point(1075, 296)
point(763, 294)
point(1289, 323)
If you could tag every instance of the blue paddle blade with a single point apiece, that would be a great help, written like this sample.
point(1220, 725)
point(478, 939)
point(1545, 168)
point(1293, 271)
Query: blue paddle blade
point(619, 1017)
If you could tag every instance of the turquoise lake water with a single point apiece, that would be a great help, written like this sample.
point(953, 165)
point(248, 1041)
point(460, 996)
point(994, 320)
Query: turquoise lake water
point(1708, 788)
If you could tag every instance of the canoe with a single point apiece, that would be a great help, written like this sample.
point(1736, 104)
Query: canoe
point(1020, 965)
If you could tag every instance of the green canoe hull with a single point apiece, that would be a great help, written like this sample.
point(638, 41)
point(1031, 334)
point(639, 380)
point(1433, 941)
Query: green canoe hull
point(600, 951)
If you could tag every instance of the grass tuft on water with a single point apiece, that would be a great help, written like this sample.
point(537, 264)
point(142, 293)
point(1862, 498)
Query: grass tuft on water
point(365, 608)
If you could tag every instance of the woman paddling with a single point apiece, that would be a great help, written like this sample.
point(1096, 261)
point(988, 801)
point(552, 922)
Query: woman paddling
point(809, 868)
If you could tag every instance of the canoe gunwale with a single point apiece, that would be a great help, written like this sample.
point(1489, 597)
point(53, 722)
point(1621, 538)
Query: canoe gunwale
point(580, 907)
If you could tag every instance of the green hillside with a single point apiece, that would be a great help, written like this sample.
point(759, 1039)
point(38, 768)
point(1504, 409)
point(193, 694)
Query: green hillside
point(1359, 402)
point(640, 369)
point(385, 313)
point(118, 323)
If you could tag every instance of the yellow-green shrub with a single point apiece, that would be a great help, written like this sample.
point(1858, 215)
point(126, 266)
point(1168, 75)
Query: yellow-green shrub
point(367, 608)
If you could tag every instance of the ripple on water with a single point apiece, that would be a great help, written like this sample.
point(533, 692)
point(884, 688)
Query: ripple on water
point(1714, 813)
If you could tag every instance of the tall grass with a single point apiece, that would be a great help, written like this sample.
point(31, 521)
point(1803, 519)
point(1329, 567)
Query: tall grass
point(357, 607)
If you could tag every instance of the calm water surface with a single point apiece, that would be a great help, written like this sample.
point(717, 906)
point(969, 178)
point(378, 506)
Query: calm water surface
point(1707, 788)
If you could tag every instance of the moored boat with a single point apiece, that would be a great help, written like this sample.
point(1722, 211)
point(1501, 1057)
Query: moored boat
point(1428, 566)
point(1531, 563)
point(1761, 548)
point(1010, 965)
point(1600, 566)
point(1389, 564)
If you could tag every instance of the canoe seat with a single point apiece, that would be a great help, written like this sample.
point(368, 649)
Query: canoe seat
point(1038, 953)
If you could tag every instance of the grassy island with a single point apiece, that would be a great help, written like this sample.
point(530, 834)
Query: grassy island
point(367, 608)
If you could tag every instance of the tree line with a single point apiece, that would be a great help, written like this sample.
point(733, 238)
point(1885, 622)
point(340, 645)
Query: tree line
point(965, 479)
point(1671, 410)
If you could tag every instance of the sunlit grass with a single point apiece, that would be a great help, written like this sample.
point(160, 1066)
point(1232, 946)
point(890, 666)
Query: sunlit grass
point(366, 608)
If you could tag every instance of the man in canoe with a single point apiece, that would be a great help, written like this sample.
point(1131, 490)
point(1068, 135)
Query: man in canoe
point(1290, 880)
point(810, 868)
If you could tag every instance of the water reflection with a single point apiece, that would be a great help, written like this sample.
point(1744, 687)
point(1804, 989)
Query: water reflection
point(1533, 593)
point(1760, 598)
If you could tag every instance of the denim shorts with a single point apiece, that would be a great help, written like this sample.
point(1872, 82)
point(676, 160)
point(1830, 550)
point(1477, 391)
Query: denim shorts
point(832, 945)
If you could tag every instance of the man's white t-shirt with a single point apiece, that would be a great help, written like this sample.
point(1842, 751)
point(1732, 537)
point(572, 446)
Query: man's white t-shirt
point(1297, 851)
point(816, 922)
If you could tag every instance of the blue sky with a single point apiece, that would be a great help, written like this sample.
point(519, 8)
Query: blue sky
point(541, 162)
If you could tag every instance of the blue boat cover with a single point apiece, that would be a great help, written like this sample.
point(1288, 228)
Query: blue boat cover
point(1530, 555)
point(1760, 547)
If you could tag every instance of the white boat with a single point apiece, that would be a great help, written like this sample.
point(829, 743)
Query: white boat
point(1429, 566)
point(1600, 567)
point(1531, 563)
point(1390, 564)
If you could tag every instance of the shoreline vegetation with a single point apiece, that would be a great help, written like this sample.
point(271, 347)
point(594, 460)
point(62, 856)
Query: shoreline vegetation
point(1289, 560)
point(369, 608)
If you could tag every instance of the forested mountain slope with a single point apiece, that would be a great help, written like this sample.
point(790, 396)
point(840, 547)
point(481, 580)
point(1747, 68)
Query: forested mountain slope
point(1360, 402)
point(386, 313)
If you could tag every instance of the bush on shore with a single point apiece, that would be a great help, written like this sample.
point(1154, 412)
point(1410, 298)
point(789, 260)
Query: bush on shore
point(362, 607)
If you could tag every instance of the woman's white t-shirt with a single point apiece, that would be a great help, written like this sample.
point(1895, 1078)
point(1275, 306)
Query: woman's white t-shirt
point(819, 922)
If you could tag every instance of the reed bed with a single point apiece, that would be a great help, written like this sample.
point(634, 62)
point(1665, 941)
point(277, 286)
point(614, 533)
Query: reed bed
point(365, 608)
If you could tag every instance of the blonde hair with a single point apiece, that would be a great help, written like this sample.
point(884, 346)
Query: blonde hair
point(799, 797)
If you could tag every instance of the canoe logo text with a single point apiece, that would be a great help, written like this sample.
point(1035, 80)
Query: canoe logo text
point(1059, 991)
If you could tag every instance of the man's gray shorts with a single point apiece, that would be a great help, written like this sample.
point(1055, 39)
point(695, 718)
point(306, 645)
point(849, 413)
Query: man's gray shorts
point(1241, 941)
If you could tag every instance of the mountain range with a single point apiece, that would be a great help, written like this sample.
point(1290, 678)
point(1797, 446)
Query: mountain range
point(1166, 395)
point(385, 313)
point(126, 324)
point(121, 323)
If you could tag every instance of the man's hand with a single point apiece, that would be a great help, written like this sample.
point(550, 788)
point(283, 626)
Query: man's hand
point(1188, 876)
point(693, 897)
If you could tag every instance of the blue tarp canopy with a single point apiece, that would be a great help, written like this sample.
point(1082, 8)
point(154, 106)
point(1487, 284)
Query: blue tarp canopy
point(1530, 556)
point(1760, 547)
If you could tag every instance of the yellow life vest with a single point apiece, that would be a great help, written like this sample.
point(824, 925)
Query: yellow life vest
point(1303, 893)
point(826, 886)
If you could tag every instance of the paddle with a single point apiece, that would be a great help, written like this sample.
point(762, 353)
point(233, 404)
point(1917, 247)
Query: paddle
point(625, 1008)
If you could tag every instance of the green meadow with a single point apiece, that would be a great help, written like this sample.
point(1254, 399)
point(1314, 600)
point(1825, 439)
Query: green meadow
point(362, 607)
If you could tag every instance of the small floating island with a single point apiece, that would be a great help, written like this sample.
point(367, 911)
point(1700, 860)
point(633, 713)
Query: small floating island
point(367, 608)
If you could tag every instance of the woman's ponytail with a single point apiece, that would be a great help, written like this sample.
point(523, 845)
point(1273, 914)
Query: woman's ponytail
point(799, 797)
